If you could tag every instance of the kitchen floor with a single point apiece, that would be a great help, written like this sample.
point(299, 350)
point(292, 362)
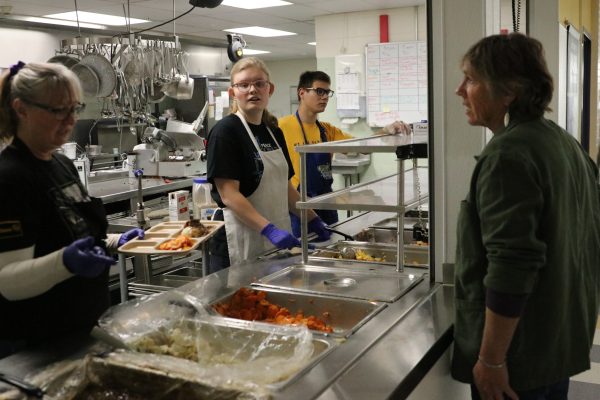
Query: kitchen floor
point(586, 386)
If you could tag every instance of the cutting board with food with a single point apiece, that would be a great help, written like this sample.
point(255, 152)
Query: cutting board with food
point(174, 237)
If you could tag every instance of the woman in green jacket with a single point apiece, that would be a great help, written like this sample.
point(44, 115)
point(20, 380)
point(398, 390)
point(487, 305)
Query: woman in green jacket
point(528, 255)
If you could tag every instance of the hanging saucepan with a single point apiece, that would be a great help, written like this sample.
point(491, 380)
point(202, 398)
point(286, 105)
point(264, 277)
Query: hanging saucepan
point(64, 59)
point(107, 76)
point(185, 87)
point(88, 78)
point(158, 95)
point(132, 67)
point(182, 86)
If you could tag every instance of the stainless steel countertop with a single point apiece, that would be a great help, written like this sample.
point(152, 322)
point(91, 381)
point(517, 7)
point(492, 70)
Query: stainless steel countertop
point(114, 190)
point(386, 357)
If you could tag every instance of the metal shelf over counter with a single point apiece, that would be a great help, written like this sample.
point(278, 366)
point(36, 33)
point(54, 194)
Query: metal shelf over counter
point(377, 195)
point(114, 190)
point(371, 144)
point(374, 196)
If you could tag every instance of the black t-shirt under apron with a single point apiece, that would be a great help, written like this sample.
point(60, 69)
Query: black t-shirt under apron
point(232, 155)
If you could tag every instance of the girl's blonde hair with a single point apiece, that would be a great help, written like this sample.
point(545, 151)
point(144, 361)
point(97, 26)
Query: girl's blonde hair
point(252, 62)
point(32, 82)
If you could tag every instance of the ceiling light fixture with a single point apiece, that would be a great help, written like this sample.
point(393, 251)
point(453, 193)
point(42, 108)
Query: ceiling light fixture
point(259, 31)
point(251, 52)
point(253, 4)
point(312, 43)
point(105, 19)
point(52, 21)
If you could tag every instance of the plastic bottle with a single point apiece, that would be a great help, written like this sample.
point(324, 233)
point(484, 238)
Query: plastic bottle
point(203, 203)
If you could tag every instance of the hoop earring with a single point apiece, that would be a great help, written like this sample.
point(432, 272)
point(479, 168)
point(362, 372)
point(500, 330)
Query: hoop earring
point(506, 119)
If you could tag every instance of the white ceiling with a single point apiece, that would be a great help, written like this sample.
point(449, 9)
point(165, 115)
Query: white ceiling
point(206, 25)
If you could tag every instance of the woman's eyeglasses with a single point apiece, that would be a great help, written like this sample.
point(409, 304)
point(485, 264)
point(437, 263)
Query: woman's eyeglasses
point(244, 87)
point(321, 92)
point(61, 113)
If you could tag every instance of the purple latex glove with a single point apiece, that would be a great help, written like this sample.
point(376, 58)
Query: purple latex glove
point(317, 226)
point(83, 258)
point(130, 234)
point(280, 238)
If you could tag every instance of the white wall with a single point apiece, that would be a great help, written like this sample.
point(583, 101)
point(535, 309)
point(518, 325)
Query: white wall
point(349, 33)
point(285, 74)
point(29, 45)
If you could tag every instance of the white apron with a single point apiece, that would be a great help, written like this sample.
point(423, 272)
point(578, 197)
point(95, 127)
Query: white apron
point(270, 199)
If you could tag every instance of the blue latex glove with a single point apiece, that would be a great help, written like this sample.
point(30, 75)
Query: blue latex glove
point(280, 238)
point(83, 258)
point(317, 226)
point(130, 234)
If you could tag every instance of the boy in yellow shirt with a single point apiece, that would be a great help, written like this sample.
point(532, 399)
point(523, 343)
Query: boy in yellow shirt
point(303, 127)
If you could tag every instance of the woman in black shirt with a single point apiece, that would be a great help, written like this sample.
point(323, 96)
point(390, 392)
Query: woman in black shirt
point(53, 264)
point(250, 169)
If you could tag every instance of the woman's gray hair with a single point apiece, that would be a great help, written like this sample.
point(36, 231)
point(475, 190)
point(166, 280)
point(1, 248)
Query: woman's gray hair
point(514, 64)
point(31, 82)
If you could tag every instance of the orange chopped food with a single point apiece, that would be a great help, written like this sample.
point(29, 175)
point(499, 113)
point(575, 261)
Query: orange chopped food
point(252, 305)
point(181, 242)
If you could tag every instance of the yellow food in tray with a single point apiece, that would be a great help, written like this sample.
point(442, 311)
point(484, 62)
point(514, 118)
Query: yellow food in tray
point(363, 256)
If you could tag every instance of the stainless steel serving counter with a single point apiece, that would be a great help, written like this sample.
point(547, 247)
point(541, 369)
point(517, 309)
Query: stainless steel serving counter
point(387, 356)
point(114, 190)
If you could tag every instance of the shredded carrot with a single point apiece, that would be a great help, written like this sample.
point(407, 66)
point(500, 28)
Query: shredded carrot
point(181, 242)
point(252, 305)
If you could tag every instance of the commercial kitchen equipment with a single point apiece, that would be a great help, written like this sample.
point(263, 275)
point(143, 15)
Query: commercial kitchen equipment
point(170, 154)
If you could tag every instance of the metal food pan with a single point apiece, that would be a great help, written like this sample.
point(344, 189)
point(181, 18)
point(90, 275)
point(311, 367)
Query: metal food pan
point(235, 341)
point(344, 315)
point(109, 376)
point(414, 255)
point(387, 286)
point(383, 235)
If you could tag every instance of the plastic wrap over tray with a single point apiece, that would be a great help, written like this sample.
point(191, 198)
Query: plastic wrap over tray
point(174, 330)
point(134, 376)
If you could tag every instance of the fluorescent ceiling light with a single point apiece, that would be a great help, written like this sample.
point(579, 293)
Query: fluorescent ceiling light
point(251, 52)
point(252, 4)
point(259, 31)
point(312, 43)
point(53, 21)
point(95, 18)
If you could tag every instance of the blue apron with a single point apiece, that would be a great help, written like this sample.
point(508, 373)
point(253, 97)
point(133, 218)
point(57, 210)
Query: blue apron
point(319, 179)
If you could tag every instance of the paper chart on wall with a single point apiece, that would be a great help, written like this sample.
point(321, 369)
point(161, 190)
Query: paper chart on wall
point(396, 82)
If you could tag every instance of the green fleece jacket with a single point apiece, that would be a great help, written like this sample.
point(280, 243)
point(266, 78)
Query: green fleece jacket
point(531, 225)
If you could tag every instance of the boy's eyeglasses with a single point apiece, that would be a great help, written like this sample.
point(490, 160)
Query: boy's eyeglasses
point(321, 92)
point(244, 87)
point(61, 113)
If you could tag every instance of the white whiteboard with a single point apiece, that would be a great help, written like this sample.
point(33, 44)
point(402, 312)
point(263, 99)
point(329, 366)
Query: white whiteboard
point(396, 81)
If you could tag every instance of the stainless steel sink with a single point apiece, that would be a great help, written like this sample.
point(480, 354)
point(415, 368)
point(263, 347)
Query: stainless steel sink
point(344, 315)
